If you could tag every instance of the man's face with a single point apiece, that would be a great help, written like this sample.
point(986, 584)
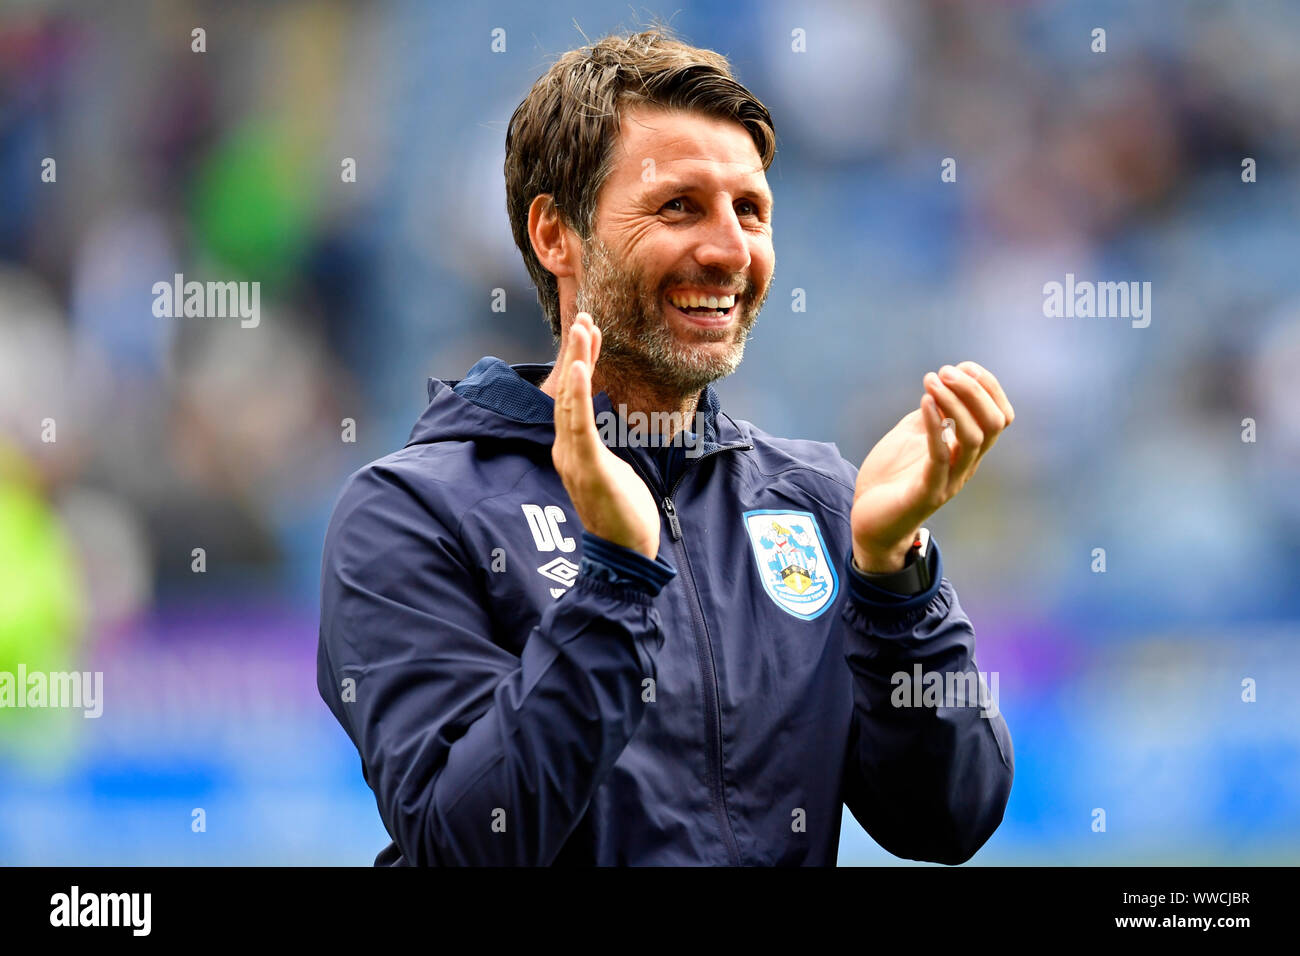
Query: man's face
point(685, 215)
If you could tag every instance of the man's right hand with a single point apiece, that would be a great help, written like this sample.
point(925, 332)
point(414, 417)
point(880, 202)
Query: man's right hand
point(611, 499)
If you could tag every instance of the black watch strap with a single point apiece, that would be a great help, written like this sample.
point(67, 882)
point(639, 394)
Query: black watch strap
point(914, 577)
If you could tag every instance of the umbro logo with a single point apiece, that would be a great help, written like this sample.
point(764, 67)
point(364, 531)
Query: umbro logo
point(559, 569)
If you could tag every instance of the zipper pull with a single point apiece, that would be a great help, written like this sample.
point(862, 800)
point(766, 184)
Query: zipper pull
point(674, 526)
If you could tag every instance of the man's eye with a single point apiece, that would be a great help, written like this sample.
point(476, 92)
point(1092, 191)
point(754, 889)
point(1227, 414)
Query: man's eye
point(679, 207)
point(751, 207)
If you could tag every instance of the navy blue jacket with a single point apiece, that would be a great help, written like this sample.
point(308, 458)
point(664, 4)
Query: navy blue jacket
point(523, 692)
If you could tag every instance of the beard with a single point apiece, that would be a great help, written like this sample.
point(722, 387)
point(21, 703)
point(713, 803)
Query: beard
point(639, 349)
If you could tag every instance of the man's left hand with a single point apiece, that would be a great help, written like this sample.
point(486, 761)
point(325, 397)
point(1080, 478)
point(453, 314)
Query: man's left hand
point(913, 471)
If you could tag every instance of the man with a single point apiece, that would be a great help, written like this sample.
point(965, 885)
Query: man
point(553, 647)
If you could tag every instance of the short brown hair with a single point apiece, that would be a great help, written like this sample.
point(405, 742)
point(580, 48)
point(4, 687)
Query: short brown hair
point(560, 139)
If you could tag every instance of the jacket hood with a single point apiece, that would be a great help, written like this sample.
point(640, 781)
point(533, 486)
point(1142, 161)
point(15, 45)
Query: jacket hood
point(498, 400)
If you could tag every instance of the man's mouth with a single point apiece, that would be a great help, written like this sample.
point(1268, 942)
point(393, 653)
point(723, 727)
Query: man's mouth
point(704, 308)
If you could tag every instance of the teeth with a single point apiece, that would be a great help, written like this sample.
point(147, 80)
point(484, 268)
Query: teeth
point(690, 300)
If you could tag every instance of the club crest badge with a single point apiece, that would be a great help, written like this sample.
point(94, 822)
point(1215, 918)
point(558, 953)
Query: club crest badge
point(792, 561)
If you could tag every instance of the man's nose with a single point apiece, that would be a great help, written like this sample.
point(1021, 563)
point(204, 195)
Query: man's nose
point(724, 243)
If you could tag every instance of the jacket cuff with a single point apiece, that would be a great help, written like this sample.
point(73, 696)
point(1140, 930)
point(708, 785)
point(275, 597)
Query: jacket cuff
point(873, 597)
point(614, 564)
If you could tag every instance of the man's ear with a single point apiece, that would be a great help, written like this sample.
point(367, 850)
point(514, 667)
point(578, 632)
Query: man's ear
point(556, 245)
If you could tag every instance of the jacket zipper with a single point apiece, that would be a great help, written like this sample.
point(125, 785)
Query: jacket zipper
point(703, 652)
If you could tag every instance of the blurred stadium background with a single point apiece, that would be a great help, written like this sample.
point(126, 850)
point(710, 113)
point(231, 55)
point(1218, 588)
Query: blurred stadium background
point(1122, 690)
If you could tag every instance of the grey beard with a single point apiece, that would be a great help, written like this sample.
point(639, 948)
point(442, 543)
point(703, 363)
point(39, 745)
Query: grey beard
point(638, 349)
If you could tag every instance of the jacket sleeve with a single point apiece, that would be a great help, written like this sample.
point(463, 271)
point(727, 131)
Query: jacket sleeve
point(476, 756)
point(926, 775)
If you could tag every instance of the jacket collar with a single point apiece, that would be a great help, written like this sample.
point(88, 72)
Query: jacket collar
point(511, 392)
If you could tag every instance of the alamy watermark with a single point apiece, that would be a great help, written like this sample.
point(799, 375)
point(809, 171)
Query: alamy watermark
point(130, 910)
point(208, 300)
point(649, 430)
point(950, 689)
point(1100, 300)
point(61, 689)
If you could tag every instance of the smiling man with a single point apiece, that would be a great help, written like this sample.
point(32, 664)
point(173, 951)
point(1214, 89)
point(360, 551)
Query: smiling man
point(550, 649)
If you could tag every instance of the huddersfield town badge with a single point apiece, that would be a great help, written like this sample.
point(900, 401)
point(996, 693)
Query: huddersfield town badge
point(792, 561)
